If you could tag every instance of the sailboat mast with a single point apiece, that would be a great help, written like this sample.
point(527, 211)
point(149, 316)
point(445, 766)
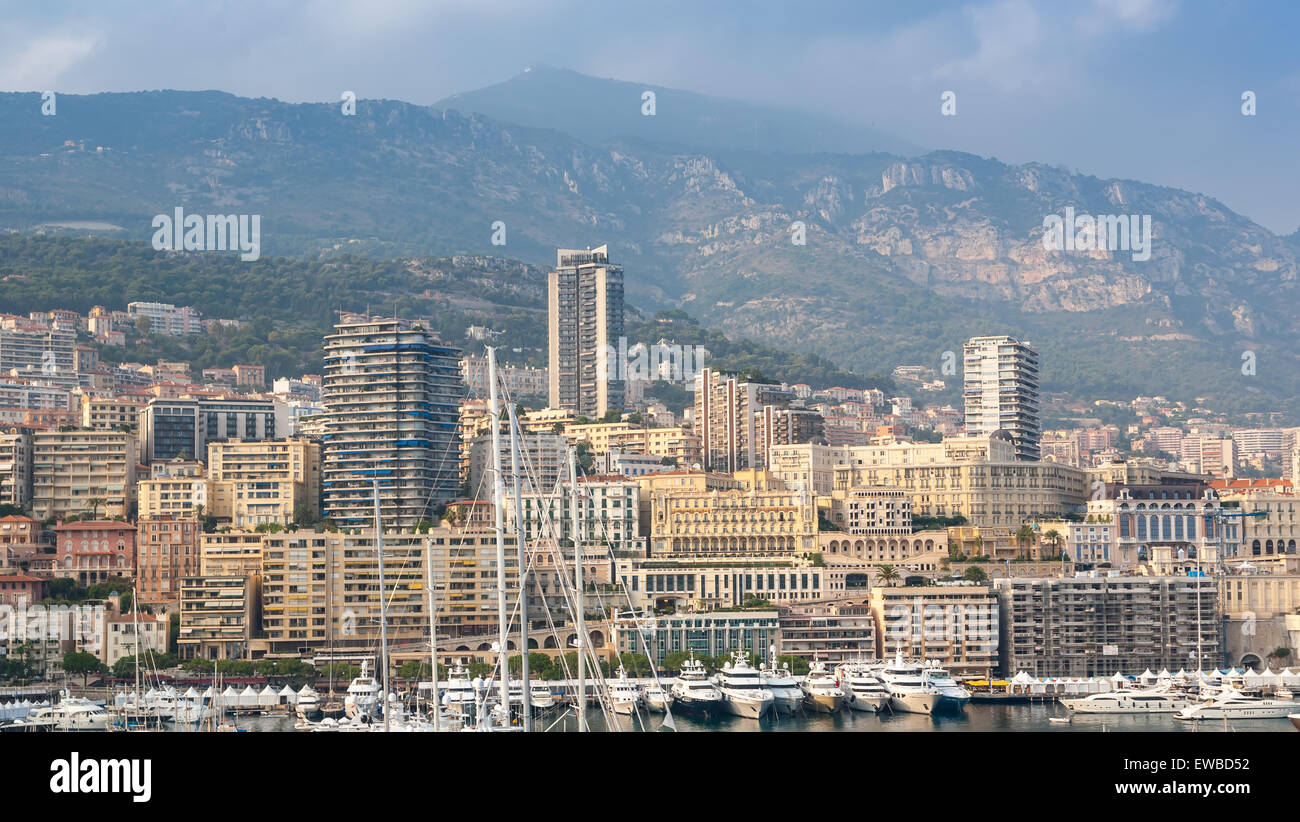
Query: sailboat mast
point(580, 617)
point(523, 569)
point(433, 630)
point(383, 607)
point(498, 499)
point(135, 629)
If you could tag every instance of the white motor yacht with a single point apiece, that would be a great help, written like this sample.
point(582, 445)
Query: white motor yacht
point(540, 696)
point(862, 690)
point(787, 697)
point(821, 690)
point(952, 696)
point(742, 688)
point(69, 714)
point(458, 697)
point(624, 696)
point(656, 698)
point(693, 694)
point(308, 705)
point(1235, 705)
point(363, 694)
point(1161, 700)
point(909, 692)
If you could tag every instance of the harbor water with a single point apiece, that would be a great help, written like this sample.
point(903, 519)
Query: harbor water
point(975, 718)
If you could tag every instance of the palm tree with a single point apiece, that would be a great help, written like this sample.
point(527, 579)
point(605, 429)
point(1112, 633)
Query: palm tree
point(1052, 539)
point(979, 545)
point(1024, 537)
point(94, 503)
point(888, 574)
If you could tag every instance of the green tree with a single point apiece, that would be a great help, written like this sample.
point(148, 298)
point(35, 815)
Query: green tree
point(798, 665)
point(673, 662)
point(635, 664)
point(975, 574)
point(1053, 539)
point(1024, 538)
point(95, 503)
point(538, 664)
point(76, 662)
point(888, 574)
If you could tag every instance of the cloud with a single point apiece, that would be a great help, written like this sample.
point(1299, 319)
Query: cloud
point(42, 61)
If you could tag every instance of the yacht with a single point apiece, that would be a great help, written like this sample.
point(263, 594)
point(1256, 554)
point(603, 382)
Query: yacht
point(742, 688)
point(1138, 701)
point(540, 696)
point(363, 694)
point(862, 690)
point(624, 696)
point(693, 694)
point(459, 697)
point(952, 696)
point(656, 698)
point(69, 714)
point(909, 692)
point(786, 695)
point(821, 691)
point(1235, 705)
point(308, 706)
point(1295, 720)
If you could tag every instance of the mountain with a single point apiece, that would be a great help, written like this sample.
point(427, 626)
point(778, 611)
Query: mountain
point(288, 305)
point(597, 110)
point(904, 257)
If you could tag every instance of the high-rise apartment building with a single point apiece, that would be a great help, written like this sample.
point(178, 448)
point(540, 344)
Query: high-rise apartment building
point(392, 394)
point(1098, 625)
point(39, 353)
point(733, 426)
point(70, 468)
point(171, 428)
point(165, 318)
point(1001, 391)
point(16, 467)
point(251, 483)
point(167, 548)
point(584, 322)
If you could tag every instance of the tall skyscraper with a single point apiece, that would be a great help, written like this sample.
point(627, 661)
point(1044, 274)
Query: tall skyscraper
point(584, 321)
point(392, 394)
point(1001, 391)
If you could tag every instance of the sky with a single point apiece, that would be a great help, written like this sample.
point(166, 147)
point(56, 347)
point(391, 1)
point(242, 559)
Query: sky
point(1141, 89)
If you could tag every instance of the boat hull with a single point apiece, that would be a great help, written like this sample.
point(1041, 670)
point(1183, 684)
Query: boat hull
point(786, 703)
point(626, 707)
point(1082, 706)
point(1240, 713)
point(866, 703)
point(824, 703)
point(913, 702)
point(952, 703)
point(1295, 720)
point(747, 708)
point(705, 708)
point(657, 704)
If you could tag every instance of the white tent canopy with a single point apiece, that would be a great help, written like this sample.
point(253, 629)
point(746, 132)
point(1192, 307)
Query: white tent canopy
point(248, 697)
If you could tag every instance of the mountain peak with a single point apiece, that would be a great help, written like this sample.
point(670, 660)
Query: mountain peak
point(600, 110)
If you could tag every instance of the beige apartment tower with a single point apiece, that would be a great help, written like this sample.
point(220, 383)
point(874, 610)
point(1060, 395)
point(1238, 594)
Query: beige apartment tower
point(584, 323)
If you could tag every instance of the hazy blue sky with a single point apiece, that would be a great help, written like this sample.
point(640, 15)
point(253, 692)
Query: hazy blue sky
point(1146, 89)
